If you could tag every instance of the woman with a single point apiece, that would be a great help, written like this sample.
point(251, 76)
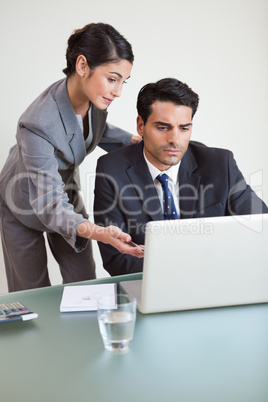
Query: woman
point(39, 184)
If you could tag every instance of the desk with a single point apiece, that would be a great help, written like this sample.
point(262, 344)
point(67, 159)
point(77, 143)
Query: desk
point(213, 355)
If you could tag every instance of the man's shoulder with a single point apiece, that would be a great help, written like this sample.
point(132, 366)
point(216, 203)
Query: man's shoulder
point(121, 156)
point(200, 150)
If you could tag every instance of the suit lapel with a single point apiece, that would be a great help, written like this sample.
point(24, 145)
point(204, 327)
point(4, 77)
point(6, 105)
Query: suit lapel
point(98, 121)
point(188, 185)
point(72, 128)
point(141, 179)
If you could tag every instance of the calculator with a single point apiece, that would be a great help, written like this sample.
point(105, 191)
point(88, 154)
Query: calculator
point(15, 312)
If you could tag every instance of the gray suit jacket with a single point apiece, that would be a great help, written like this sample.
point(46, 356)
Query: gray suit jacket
point(40, 180)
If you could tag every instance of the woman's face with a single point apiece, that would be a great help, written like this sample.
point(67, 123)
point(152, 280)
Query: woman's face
point(102, 85)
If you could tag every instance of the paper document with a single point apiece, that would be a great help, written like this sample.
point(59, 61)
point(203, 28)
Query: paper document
point(84, 297)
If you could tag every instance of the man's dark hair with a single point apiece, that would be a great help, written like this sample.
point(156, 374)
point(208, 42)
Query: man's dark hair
point(100, 44)
point(165, 90)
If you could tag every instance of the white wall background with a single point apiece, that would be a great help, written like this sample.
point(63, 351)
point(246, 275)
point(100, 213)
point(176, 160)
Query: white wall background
point(219, 48)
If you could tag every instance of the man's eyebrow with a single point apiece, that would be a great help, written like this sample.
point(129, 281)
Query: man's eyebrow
point(118, 74)
point(162, 123)
point(169, 124)
point(186, 125)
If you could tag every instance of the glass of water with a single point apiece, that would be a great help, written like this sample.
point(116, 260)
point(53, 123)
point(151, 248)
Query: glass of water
point(116, 317)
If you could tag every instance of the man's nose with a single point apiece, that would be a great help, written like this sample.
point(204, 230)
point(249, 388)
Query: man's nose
point(174, 135)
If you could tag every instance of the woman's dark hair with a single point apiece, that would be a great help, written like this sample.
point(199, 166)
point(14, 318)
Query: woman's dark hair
point(100, 44)
point(165, 90)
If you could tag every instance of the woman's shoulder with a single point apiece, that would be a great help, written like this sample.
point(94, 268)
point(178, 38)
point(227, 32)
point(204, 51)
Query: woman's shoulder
point(43, 110)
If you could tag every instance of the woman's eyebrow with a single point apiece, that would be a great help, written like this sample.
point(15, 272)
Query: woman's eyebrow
point(118, 74)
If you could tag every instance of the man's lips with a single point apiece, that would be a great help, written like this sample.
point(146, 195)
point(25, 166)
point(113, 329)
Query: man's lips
point(172, 151)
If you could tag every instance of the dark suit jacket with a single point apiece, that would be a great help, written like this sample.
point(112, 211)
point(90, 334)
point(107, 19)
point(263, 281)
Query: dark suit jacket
point(210, 184)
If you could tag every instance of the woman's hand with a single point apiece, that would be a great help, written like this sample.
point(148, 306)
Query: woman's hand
point(109, 235)
point(135, 139)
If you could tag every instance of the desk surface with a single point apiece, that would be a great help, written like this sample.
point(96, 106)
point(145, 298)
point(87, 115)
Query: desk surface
point(213, 355)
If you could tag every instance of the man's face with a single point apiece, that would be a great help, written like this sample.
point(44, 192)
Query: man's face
point(166, 134)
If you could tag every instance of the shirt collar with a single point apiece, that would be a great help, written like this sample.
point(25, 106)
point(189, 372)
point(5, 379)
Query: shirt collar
point(172, 172)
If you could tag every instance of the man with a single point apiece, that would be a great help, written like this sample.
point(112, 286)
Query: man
point(202, 181)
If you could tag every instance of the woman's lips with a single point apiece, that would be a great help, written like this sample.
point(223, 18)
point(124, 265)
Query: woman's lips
point(107, 100)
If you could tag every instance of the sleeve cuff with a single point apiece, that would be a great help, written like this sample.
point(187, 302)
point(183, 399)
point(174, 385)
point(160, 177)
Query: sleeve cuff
point(80, 244)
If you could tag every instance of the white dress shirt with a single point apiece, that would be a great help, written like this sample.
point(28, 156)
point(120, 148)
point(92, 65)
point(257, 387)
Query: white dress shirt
point(173, 182)
point(89, 138)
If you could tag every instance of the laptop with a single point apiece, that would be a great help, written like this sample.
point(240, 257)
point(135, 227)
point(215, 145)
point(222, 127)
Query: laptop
point(203, 263)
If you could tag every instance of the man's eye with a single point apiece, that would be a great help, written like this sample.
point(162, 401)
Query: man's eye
point(162, 128)
point(184, 128)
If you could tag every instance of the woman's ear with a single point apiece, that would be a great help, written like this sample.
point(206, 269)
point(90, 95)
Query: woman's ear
point(140, 126)
point(81, 65)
